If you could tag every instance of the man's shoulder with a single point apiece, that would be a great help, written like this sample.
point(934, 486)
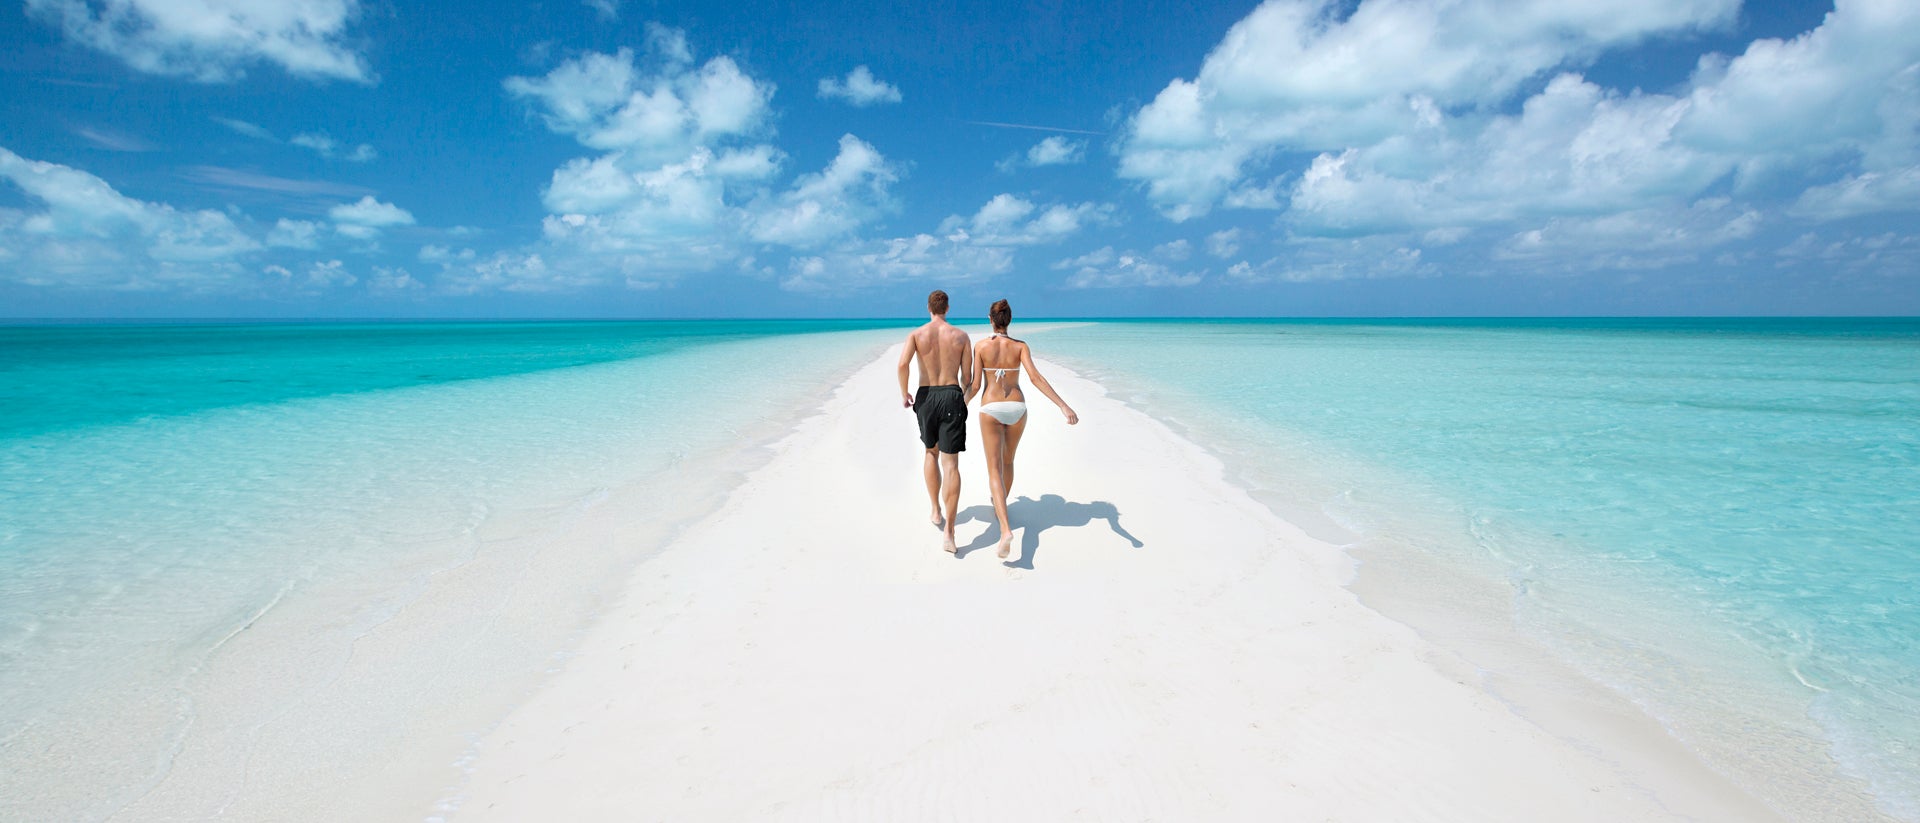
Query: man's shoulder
point(955, 334)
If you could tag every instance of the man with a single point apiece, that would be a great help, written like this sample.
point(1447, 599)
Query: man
point(946, 364)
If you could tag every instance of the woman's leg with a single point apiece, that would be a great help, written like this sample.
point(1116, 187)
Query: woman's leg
point(1012, 438)
point(993, 440)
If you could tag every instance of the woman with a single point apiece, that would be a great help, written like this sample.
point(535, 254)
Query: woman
point(997, 361)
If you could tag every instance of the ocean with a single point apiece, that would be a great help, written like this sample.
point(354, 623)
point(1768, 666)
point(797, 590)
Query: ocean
point(233, 553)
point(229, 552)
point(1718, 519)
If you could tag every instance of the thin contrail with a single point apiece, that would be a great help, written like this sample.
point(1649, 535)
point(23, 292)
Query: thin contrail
point(1034, 128)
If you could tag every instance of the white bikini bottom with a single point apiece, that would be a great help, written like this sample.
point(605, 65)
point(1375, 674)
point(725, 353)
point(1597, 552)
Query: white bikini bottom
point(1008, 412)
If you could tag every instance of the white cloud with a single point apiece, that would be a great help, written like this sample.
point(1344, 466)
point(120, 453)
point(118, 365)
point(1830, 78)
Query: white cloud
point(113, 140)
point(1640, 239)
point(329, 274)
point(1052, 151)
point(965, 248)
point(1106, 268)
point(248, 129)
point(294, 234)
point(1887, 253)
point(1313, 259)
point(820, 207)
point(860, 88)
point(1056, 151)
point(1293, 76)
point(1818, 126)
point(215, 40)
point(511, 271)
point(920, 258)
point(685, 181)
point(390, 280)
point(365, 218)
point(1224, 243)
point(86, 233)
point(442, 254)
point(1870, 192)
point(329, 148)
point(606, 102)
point(1008, 220)
point(608, 9)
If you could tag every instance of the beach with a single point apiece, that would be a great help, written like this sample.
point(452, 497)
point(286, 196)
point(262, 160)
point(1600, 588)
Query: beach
point(1161, 646)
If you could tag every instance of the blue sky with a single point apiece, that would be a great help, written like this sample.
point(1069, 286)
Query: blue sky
point(333, 158)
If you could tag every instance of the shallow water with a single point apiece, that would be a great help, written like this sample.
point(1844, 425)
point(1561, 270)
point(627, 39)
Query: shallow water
point(1718, 518)
point(216, 540)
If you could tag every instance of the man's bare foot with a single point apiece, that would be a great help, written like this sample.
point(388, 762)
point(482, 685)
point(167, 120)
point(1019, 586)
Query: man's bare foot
point(947, 543)
point(1006, 545)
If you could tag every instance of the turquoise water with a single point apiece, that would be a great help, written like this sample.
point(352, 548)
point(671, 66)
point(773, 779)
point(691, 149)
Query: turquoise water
point(217, 539)
point(1719, 518)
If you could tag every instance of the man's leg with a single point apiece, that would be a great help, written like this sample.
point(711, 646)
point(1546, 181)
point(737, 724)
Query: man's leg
point(931, 469)
point(950, 489)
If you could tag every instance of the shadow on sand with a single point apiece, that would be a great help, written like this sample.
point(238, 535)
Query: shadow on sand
point(1032, 517)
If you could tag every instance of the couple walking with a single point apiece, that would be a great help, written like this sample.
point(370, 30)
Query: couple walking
point(951, 373)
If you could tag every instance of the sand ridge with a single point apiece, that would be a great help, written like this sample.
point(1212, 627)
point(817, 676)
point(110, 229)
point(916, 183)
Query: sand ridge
point(1161, 646)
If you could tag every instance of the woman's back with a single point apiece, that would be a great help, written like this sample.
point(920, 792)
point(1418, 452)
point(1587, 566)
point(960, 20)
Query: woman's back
point(999, 357)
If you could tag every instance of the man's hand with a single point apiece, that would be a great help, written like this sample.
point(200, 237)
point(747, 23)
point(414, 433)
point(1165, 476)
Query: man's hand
point(906, 401)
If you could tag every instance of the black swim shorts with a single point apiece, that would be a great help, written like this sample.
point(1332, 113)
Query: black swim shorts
point(943, 417)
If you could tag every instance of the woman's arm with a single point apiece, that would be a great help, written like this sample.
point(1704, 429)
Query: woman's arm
point(1026, 361)
point(973, 373)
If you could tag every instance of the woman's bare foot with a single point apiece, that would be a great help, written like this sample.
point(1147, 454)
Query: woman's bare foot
point(1006, 545)
point(935, 519)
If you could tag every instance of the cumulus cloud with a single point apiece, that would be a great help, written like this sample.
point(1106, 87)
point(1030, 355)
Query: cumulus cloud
point(1106, 268)
point(608, 9)
point(1009, 220)
point(657, 113)
point(1052, 151)
point(820, 207)
point(860, 88)
point(1870, 192)
point(83, 232)
point(365, 218)
point(212, 41)
point(1224, 243)
point(1317, 259)
point(1055, 151)
point(294, 234)
point(965, 248)
point(1645, 238)
point(1294, 76)
point(686, 180)
point(1889, 253)
point(509, 271)
point(922, 257)
point(1406, 116)
point(331, 149)
point(390, 280)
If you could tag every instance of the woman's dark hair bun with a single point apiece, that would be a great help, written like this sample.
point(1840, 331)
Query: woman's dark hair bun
point(1000, 313)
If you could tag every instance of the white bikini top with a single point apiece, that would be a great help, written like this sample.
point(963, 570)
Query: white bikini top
point(1000, 372)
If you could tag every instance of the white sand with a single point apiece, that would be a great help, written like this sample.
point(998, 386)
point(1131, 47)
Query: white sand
point(808, 652)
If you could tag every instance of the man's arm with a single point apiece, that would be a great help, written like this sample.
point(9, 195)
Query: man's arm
point(966, 368)
point(906, 356)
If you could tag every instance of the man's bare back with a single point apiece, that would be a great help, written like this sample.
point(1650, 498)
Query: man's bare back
point(943, 352)
point(945, 355)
